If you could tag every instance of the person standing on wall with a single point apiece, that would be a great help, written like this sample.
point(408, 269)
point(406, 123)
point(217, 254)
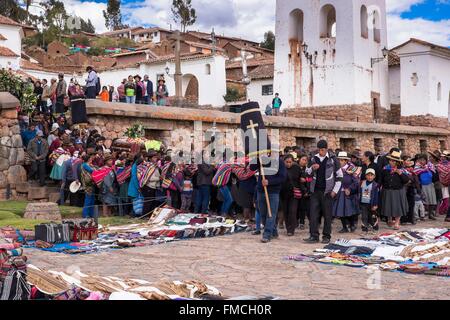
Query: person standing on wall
point(276, 105)
point(148, 90)
point(91, 83)
point(130, 90)
point(161, 93)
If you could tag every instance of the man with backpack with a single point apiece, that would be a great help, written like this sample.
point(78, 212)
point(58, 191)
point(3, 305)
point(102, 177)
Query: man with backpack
point(92, 84)
point(326, 183)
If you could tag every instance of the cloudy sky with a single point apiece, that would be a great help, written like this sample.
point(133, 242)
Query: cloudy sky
point(425, 19)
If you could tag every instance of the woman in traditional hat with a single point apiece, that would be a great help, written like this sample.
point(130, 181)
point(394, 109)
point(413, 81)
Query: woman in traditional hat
point(345, 205)
point(393, 180)
point(161, 92)
point(110, 188)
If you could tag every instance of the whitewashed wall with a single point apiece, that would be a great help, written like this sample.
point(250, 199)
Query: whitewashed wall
point(431, 68)
point(212, 87)
point(13, 41)
point(394, 85)
point(343, 77)
point(255, 93)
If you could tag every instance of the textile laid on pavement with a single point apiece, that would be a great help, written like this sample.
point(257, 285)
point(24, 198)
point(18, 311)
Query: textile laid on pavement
point(423, 251)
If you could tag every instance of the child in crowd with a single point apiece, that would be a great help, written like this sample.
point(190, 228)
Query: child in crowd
point(419, 207)
point(187, 189)
point(369, 202)
point(104, 95)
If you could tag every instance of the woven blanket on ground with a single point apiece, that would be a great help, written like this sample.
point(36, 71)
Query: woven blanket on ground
point(423, 251)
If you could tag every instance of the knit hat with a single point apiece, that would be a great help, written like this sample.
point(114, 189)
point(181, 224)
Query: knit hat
point(322, 144)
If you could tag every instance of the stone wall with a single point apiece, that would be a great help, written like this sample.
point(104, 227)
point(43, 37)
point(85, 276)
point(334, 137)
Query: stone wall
point(11, 150)
point(426, 121)
point(353, 113)
point(175, 125)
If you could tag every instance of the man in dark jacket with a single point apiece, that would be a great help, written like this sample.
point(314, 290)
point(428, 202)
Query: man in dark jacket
point(327, 180)
point(148, 90)
point(275, 174)
point(37, 150)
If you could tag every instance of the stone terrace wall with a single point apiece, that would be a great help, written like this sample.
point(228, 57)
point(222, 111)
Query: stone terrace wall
point(113, 118)
point(353, 113)
point(12, 154)
point(426, 121)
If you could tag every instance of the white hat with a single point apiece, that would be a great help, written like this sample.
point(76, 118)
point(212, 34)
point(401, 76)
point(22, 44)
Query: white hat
point(55, 127)
point(370, 171)
point(343, 155)
point(75, 186)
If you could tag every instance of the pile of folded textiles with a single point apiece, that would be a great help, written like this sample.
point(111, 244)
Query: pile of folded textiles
point(165, 225)
point(54, 285)
point(423, 251)
point(13, 285)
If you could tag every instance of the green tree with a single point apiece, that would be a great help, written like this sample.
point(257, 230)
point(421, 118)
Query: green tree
point(269, 41)
point(113, 16)
point(55, 16)
point(183, 13)
point(13, 10)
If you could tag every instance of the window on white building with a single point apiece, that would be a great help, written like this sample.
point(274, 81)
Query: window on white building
point(328, 21)
point(376, 27)
point(208, 68)
point(267, 90)
point(364, 22)
point(439, 92)
point(414, 79)
point(296, 25)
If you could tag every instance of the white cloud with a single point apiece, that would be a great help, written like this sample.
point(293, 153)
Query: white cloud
point(401, 30)
point(399, 6)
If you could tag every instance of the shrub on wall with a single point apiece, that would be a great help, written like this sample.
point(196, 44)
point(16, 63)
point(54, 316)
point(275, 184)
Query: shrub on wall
point(22, 90)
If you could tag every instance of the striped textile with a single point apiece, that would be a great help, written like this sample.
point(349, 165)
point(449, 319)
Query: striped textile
point(418, 170)
point(222, 176)
point(99, 175)
point(443, 169)
point(144, 172)
point(123, 174)
point(243, 173)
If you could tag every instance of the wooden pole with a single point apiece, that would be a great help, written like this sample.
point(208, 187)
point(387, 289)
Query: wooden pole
point(265, 188)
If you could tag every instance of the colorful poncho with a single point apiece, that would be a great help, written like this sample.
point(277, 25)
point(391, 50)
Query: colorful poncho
point(223, 174)
point(99, 175)
point(144, 172)
point(243, 173)
point(123, 174)
point(443, 169)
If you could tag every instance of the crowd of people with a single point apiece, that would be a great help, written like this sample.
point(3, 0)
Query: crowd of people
point(315, 187)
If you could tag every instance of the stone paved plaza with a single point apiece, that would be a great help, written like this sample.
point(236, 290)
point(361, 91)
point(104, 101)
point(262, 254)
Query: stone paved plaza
point(241, 265)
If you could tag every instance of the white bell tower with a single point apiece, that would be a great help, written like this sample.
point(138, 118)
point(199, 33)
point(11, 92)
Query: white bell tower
point(325, 50)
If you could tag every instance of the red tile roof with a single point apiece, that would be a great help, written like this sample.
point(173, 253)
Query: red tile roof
point(7, 52)
point(250, 63)
point(9, 21)
point(262, 72)
point(393, 59)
